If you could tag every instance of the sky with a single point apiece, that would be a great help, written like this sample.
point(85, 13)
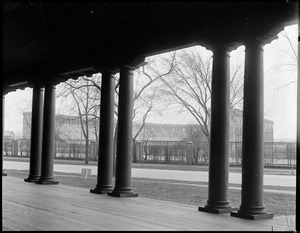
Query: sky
point(280, 100)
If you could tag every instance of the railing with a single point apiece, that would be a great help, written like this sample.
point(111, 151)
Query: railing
point(275, 153)
point(72, 149)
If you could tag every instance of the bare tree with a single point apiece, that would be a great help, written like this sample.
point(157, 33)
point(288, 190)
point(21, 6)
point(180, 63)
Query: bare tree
point(281, 74)
point(237, 81)
point(147, 103)
point(292, 63)
point(199, 145)
point(145, 139)
point(146, 100)
point(288, 61)
point(86, 99)
point(189, 85)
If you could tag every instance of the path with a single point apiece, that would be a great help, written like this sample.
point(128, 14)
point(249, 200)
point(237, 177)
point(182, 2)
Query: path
point(234, 178)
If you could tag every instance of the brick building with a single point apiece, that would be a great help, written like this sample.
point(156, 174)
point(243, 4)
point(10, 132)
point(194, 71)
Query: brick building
point(69, 128)
point(236, 127)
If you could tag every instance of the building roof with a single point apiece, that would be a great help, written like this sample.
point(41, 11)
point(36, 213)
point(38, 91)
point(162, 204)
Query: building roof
point(9, 133)
point(269, 121)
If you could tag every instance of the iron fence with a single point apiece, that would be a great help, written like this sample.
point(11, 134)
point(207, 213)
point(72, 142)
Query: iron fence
point(275, 153)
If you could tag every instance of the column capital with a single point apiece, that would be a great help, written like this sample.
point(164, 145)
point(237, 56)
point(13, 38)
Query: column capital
point(263, 39)
point(221, 50)
point(50, 84)
point(254, 42)
point(4, 92)
point(222, 46)
point(107, 75)
point(37, 84)
point(135, 63)
point(129, 68)
point(109, 70)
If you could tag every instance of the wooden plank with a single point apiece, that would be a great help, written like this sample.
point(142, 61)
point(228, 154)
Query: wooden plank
point(28, 206)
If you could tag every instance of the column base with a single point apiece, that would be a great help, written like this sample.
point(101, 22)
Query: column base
point(216, 210)
point(46, 181)
point(122, 192)
point(217, 207)
point(103, 190)
point(252, 216)
point(32, 179)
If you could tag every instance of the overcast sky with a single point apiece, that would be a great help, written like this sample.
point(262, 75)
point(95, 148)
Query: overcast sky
point(280, 98)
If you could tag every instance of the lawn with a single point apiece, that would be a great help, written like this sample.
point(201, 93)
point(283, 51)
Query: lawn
point(186, 192)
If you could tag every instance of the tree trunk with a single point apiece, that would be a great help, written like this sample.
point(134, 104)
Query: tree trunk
point(86, 151)
point(134, 151)
point(145, 146)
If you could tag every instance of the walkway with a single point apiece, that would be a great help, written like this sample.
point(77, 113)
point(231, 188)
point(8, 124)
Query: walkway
point(29, 207)
point(234, 178)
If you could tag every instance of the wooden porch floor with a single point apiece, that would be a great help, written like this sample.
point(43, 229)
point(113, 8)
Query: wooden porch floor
point(30, 207)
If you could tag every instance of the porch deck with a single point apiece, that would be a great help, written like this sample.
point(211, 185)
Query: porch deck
point(30, 207)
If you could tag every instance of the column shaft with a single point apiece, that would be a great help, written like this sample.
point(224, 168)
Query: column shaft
point(106, 140)
point(3, 126)
point(219, 135)
point(48, 145)
point(36, 134)
point(253, 136)
point(124, 147)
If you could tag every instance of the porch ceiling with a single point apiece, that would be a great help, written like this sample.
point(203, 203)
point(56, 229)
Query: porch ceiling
point(44, 41)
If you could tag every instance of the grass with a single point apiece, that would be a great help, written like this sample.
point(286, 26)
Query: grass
point(185, 192)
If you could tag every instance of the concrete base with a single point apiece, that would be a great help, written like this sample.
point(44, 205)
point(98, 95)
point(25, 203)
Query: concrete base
point(41, 181)
point(252, 216)
point(216, 211)
point(112, 194)
point(100, 191)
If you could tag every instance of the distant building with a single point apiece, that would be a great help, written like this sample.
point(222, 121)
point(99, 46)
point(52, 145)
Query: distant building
point(26, 125)
point(165, 132)
point(9, 135)
point(268, 130)
point(236, 127)
point(69, 128)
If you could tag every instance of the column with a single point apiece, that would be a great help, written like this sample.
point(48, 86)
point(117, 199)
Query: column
point(252, 206)
point(106, 138)
point(219, 135)
point(36, 134)
point(298, 147)
point(124, 147)
point(3, 126)
point(48, 144)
